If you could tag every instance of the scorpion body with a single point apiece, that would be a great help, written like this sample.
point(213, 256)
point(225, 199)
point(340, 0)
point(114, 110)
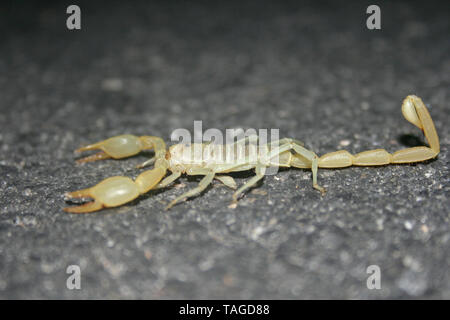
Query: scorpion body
point(212, 162)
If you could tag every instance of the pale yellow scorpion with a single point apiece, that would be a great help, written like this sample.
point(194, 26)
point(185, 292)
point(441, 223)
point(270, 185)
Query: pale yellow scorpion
point(116, 191)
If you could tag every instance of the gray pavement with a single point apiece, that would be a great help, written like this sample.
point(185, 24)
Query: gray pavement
point(314, 71)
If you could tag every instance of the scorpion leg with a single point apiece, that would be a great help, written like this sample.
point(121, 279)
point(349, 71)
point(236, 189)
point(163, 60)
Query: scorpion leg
point(284, 141)
point(227, 180)
point(208, 177)
point(259, 170)
point(301, 152)
point(146, 163)
point(168, 180)
point(310, 156)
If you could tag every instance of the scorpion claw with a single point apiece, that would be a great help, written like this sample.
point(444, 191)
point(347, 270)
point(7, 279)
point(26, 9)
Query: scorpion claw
point(115, 191)
point(98, 156)
point(85, 208)
point(111, 192)
point(83, 193)
point(118, 147)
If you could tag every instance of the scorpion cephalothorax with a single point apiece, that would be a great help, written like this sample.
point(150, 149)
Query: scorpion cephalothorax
point(190, 160)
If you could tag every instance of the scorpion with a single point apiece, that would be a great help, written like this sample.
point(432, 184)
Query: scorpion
point(118, 190)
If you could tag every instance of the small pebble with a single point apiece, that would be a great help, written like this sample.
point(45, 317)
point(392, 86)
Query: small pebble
point(424, 228)
point(344, 143)
point(408, 225)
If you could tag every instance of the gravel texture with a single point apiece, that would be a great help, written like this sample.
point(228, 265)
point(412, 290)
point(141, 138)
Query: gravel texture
point(313, 70)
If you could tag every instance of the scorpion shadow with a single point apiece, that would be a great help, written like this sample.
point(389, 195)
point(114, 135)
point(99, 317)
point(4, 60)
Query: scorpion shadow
point(410, 141)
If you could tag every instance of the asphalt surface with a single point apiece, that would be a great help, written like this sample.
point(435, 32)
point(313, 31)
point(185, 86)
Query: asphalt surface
point(314, 71)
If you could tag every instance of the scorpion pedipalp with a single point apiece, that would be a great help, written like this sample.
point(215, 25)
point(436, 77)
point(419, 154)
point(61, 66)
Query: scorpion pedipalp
point(115, 191)
point(119, 147)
